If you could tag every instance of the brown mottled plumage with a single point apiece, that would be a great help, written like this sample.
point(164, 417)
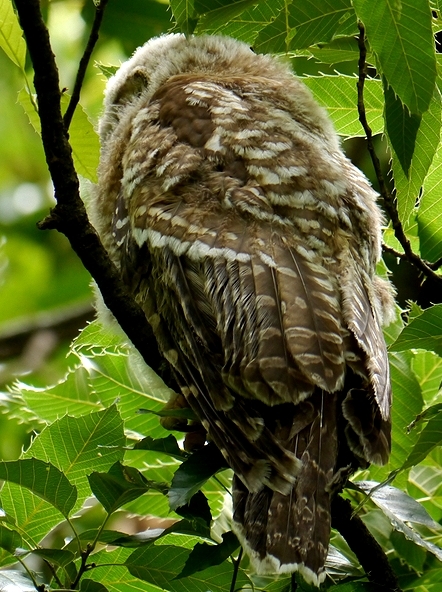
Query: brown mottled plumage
point(251, 242)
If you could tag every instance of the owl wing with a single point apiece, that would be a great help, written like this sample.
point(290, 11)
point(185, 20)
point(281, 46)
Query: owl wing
point(231, 280)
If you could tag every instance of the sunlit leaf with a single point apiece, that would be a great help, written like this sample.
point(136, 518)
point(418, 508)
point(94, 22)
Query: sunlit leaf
point(76, 446)
point(161, 564)
point(339, 95)
point(423, 332)
point(11, 37)
point(400, 35)
point(417, 161)
point(429, 438)
point(301, 25)
point(82, 135)
point(43, 479)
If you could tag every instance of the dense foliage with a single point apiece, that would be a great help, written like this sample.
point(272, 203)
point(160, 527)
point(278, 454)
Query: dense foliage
point(102, 497)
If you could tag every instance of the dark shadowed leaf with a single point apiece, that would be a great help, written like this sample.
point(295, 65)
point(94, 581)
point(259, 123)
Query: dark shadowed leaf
point(59, 557)
point(167, 445)
point(193, 473)
point(92, 586)
point(198, 507)
point(10, 540)
point(402, 127)
point(186, 413)
point(119, 486)
point(204, 555)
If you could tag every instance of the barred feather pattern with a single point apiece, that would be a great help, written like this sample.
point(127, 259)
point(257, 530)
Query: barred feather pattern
point(251, 242)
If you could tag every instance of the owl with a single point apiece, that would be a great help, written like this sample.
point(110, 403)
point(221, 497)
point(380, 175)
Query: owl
point(250, 242)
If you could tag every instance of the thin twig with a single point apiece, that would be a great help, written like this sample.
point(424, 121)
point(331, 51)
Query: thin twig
point(84, 62)
point(389, 202)
point(236, 563)
point(391, 251)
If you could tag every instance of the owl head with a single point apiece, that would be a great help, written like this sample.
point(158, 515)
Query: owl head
point(163, 57)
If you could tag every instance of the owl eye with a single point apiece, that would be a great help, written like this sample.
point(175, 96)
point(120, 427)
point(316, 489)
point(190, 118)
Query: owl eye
point(132, 87)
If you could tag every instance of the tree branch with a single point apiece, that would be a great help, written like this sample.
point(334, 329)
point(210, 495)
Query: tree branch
point(364, 546)
point(84, 62)
point(69, 215)
point(389, 201)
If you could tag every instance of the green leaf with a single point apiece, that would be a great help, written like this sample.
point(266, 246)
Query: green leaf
point(400, 35)
point(185, 413)
point(407, 404)
point(43, 479)
point(423, 332)
point(193, 473)
point(408, 185)
point(84, 141)
point(147, 537)
point(340, 49)
point(339, 95)
point(429, 216)
point(429, 438)
point(111, 573)
point(10, 540)
point(428, 369)
point(107, 70)
point(118, 373)
point(60, 557)
point(408, 551)
point(402, 128)
point(242, 19)
point(82, 135)
point(118, 486)
point(161, 564)
point(11, 38)
point(167, 445)
point(76, 446)
point(221, 13)
point(300, 25)
point(204, 556)
point(403, 512)
point(426, 415)
point(185, 15)
point(87, 585)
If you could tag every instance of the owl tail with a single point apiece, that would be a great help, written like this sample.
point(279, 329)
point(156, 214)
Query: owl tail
point(287, 533)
